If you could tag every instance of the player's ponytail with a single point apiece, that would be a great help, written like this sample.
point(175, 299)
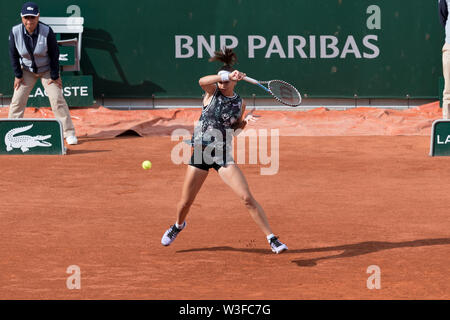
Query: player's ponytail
point(227, 56)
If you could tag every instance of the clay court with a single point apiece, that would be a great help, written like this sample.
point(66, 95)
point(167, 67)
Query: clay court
point(341, 202)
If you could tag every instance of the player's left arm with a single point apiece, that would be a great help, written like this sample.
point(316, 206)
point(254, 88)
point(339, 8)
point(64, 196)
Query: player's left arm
point(243, 121)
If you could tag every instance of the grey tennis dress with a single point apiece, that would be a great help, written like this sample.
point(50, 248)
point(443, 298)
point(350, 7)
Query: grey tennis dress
point(213, 133)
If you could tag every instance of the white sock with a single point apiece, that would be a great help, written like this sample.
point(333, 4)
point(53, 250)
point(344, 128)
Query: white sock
point(179, 226)
point(270, 236)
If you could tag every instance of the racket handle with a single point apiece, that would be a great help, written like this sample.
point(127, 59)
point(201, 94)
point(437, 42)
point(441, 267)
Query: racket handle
point(251, 80)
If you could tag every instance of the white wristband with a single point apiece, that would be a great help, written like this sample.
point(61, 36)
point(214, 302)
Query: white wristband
point(225, 77)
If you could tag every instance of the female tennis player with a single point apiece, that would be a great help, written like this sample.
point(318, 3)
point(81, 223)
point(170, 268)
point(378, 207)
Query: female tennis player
point(223, 111)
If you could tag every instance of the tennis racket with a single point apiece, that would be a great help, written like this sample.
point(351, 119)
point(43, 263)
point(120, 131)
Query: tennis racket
point(282, 91)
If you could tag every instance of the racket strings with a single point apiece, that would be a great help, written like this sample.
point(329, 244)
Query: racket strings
point(285, 93)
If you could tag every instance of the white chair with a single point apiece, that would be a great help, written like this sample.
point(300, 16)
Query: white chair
point(72, 25)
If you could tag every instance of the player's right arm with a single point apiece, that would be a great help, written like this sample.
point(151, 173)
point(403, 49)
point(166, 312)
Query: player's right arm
point(208, 83)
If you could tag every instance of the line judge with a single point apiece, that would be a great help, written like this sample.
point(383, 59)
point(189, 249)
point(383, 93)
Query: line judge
point(34, 54)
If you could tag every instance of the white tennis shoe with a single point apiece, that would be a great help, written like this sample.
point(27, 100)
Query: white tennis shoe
point(72, 140)
point(276, 245)
point(171, 233)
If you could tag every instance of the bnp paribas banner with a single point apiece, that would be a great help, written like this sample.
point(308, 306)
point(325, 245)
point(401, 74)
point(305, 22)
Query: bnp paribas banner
point(326, 48)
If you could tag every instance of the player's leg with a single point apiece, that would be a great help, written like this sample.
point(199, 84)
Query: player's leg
point(59, 107)
point(446, 72)
point(193, 181)
point(235, 179)
point(20, 96)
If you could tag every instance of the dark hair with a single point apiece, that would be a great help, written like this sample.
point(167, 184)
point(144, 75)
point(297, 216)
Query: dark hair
point(227, 56)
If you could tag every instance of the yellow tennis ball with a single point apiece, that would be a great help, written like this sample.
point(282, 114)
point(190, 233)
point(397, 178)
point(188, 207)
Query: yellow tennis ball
point(146, 165)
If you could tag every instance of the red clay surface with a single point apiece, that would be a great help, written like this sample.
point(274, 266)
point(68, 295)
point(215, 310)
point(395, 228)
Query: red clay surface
point(341, 204)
